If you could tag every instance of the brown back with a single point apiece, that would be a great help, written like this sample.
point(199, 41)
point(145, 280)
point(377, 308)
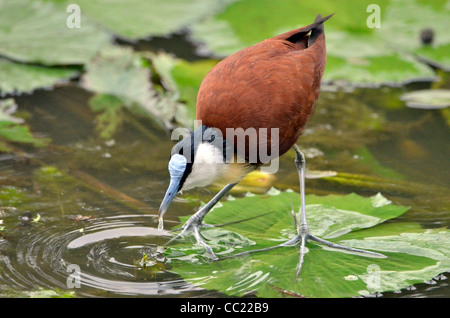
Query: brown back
point(273, 84)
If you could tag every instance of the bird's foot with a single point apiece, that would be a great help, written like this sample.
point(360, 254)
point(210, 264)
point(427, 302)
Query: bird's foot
point(192, 227)
point(302, 237)
point(305, 235)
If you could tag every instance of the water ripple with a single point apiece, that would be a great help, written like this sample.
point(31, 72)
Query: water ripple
point(98, 257)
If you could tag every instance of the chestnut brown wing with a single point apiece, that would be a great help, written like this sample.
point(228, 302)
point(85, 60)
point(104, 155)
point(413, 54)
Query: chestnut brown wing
point(272, 84)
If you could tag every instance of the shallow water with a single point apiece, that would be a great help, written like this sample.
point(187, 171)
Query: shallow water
point(97, 208)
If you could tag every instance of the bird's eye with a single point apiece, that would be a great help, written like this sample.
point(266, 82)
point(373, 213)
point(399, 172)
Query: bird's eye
point(181, 151)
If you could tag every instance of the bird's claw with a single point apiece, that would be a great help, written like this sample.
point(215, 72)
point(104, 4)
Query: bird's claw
point(192, 227)
point(302, 237)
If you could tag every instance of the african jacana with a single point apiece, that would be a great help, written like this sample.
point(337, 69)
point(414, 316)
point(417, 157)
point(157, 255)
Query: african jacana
point(273, 84)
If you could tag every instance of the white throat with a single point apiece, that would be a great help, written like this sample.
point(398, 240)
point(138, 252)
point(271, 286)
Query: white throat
point(208, 166)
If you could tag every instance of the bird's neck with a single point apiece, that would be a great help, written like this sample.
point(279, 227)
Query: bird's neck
point(210, 166)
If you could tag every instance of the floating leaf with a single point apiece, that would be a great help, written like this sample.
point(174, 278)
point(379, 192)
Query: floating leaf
point(23, 78)
point(427, 98)
point(413, 255)
point(120, 72)
point(37, 32)
point(134, 19)
point(111, 115)
point(356, 52)
point(15, 133)
point(405, 20)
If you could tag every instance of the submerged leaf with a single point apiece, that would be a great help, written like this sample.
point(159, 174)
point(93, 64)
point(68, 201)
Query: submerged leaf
point(366, 158)
point(11, 196)
point(110, 114)
point(20, 134)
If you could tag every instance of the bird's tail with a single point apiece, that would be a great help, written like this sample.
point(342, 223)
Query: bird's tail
point(301, 35)
point(316, 28)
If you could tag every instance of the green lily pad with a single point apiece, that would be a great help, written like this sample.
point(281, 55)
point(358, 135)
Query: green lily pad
point(36, 32)
point(183, 78)
point(134, 19)
point(427, 98)
point(23, 78)
point(122, 73)
point(414, 255)
point(356, 52)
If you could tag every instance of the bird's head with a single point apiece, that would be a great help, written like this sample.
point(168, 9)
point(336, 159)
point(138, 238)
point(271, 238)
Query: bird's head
point(196, 161)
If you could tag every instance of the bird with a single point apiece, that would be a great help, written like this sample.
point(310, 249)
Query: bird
point(256, 99)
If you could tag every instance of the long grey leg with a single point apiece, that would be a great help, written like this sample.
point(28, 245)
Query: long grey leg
point(302, 228)
point(300, 164)
point(195, 221)
point(198, 217)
